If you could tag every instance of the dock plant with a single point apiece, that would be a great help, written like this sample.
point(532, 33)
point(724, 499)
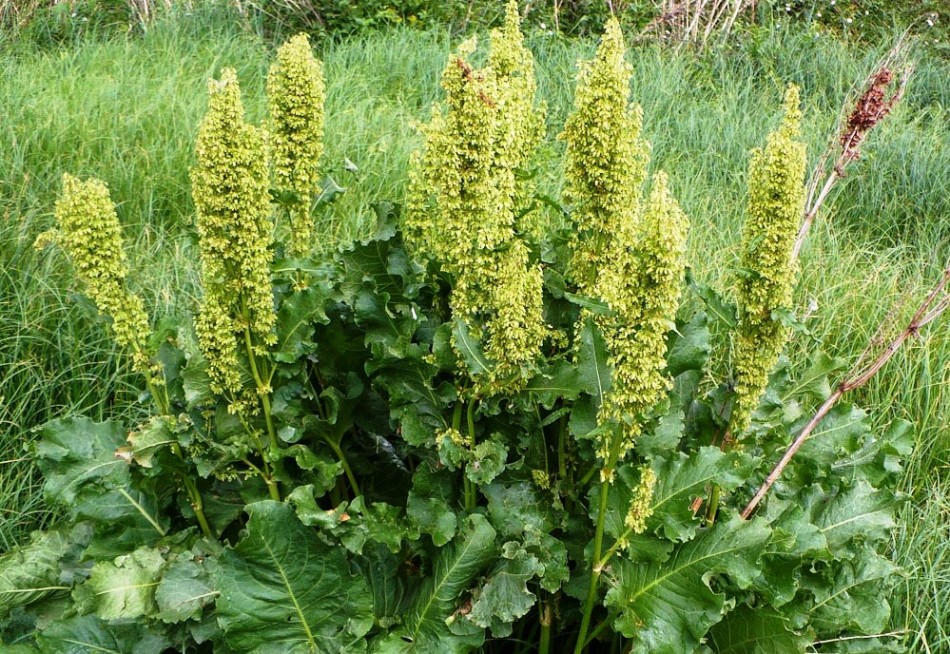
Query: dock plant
point(484, 428)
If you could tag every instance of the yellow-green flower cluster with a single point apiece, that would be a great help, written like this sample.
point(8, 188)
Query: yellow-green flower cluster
point(461, 211)
point(641, 283)
point(230, 189)
point(295, 97)
point(88, 228)
point(641, 506)
point(776, 199)
point(522, 118)
point(606, 158)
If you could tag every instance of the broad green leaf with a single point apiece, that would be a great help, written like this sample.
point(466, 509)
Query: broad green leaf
point(488, 461)
point(860, 512)
point(387, 582)
point(592, 357)
point(720, 309)
point(838, 435)
point(756, 631)
point(690, 346)
point(381, 323)
point(516, 508)
point(123, 589)
point(432, 516)
point(667, 608)
point(295, 319)
point(559, 380)
point(681, 479)
point(814, 382)
point(668, 430)
point(855, 596)
point(470, 350)
point(78, 459)
point(150, 439)
point(284, 591)
point(375, 522)
point(416, 402)
point(593, 305)
point(186, 588)
point(432, 622)
point(505, 596)
point(89, 635)
point(31, 572)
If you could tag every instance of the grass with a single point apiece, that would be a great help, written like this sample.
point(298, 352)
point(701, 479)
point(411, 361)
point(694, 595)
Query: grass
point(127, 110)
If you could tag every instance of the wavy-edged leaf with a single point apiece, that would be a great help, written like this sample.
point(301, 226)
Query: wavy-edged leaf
point(505, 596)
point(432, 624)
point(78, 459)
point(690, 346)
point(667, 608)
point(123, 589)
point(681, 478)
point(186, 587)
point(470, 349)
point(856, 597)
point(295, 319)
point(861, 512)
point(284, 591)
point(89, 635)
point(31, 572)
point(762, 630)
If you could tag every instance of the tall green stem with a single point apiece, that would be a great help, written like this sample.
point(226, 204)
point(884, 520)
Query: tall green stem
point(346, 465)
point(546, 618)
point(471, 491)
point(194, 495)
point(596, 568)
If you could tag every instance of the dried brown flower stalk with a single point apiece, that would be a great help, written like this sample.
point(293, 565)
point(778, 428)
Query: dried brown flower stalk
point(877, 100)
point(936, 302)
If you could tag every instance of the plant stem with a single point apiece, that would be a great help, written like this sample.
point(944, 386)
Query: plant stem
point(471, 492)
point(546, 618)
point(562, 447)
point(596, 568)
point(194, 495)
point(936, 302)
point(263, 390)
point(346, 465)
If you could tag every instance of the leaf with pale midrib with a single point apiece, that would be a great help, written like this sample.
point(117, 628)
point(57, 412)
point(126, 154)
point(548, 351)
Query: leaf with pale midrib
point(668, 607)
point(284, 591)
point(427, 626)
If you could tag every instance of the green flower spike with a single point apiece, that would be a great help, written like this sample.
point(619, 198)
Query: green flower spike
point(89, 231)
point(641, 284)
point(776, 200)
point(295, 97)
point(461, 212)
point(230, 189)
point(606, 159)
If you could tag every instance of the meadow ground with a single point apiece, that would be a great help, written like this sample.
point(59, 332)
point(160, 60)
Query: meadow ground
point(127, 110)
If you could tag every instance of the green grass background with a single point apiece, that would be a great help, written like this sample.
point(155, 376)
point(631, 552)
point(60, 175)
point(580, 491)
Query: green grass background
point(126, 110)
